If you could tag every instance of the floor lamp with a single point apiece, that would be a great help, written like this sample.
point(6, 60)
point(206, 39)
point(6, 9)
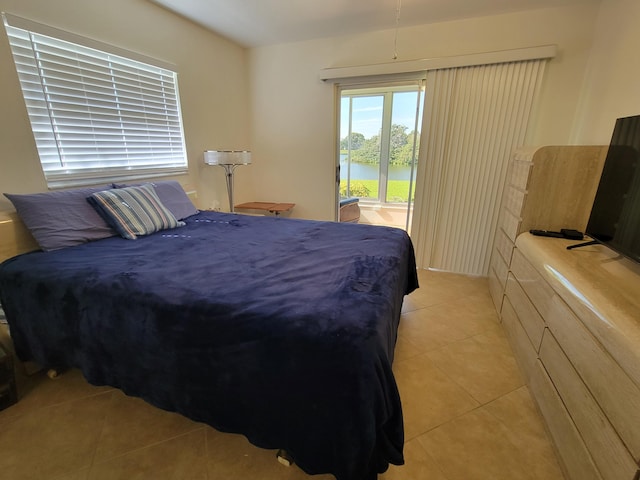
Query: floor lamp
point(229, 159)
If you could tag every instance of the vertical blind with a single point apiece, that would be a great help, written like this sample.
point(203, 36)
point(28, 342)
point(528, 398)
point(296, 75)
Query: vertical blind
point(474, 117)
point(96, 115)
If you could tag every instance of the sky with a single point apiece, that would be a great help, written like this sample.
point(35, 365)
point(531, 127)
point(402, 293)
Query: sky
point(368, 110)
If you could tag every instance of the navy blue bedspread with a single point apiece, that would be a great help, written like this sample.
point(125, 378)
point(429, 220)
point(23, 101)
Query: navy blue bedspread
point(281, 330)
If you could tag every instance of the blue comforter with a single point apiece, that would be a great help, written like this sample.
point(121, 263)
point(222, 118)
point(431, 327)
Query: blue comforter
point(281, 330)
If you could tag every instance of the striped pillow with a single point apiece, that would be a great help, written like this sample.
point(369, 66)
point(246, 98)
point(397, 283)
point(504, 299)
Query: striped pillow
point(133, 211)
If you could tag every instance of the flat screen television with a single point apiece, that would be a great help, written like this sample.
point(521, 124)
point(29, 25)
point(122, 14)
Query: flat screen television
point(615, 216)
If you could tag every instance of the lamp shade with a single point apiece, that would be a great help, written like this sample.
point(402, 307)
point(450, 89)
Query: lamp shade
point(227, 157)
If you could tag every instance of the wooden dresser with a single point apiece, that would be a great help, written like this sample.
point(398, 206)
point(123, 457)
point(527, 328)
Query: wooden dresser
point(573, 320)
point(547, 188)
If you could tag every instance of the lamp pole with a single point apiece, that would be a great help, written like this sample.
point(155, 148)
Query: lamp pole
point(229, 169)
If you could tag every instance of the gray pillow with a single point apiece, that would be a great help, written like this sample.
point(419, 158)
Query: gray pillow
point(172, 196)
point(62, 218)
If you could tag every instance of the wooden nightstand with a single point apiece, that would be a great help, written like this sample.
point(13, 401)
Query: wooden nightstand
point(271, 207)
point(8, 392)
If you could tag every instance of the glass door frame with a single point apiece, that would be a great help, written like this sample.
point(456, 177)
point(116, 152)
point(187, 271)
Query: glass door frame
point(387, 91)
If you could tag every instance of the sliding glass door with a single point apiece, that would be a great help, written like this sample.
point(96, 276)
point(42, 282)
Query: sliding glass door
point(379, 142)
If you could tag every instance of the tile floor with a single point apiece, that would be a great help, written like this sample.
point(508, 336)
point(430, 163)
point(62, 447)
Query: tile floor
point(468, 415)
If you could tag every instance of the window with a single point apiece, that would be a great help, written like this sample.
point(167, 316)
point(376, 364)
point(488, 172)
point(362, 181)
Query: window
point(96, 115)
point(379, 141)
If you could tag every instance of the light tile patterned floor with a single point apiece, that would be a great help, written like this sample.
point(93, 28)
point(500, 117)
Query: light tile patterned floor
point(468, 415)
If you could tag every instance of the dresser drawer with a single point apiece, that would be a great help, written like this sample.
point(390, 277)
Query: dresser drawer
point(609, 454)
point(615, 392)
point(513, 199)
point(529, 317)
point(536, 288)
point(519, 176)
point(572, 450)
point(501, 269)
point(510, 224)
point(496, 290)
point(518, 339)
point(504, 246)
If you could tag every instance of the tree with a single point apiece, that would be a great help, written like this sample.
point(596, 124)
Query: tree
point(357, 139)
point(369, 152)
point(404, 154)
point(398, 136)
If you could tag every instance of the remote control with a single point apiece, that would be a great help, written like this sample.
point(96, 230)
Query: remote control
point(546, 233)
point(572, 234)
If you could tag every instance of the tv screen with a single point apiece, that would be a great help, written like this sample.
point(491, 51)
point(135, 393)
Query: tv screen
point(615, 216)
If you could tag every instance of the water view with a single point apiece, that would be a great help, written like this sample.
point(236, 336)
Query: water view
point(365, 181)
point(367, 171)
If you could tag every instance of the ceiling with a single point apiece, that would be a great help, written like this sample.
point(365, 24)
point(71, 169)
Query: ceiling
point(254, 23)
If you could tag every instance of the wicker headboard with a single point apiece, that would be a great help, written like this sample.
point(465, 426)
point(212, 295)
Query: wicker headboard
point(14, 236)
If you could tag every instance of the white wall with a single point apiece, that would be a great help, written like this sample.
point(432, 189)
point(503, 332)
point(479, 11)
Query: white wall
point(212, 75)
point(270, 99)
point(612, 84)
point(293, 112)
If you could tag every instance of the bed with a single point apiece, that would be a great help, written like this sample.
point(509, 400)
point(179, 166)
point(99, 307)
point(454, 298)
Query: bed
point(282, 330)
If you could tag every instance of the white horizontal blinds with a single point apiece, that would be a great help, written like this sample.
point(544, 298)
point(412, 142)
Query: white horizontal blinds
point(97, 115)
point(474, 118)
